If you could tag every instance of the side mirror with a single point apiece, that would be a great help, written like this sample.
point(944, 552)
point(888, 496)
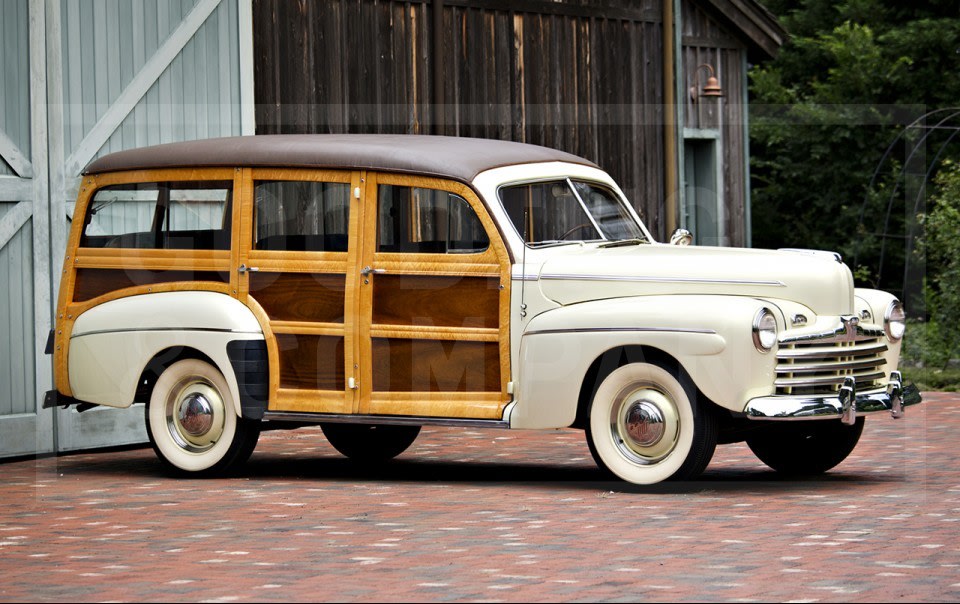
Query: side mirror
point(681, 237)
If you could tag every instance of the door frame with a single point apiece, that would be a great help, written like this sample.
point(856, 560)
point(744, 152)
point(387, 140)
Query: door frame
point(701, 135)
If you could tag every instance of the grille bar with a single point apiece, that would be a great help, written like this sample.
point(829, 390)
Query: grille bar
point(857, 349)
point(852, 365)
point(820, 366)
point(828, 379)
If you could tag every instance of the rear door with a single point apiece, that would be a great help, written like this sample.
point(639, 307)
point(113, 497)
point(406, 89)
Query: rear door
point(297, 273)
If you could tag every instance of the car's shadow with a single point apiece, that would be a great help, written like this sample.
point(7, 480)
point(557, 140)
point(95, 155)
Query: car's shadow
point(269, 467)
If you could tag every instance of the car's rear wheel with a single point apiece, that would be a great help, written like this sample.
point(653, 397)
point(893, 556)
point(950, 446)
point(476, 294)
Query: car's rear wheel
point(368, 443)
point(645, 426)
point(192, 421)
point(806, 448)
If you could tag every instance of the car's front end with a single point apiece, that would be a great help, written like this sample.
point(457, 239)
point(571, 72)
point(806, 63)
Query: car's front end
point(743, 341)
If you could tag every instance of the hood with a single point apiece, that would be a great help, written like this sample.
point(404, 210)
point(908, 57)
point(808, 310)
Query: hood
point(815, 279)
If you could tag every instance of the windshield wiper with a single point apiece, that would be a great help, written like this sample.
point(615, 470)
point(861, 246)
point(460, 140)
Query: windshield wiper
point(623, 242)
point(554, 242)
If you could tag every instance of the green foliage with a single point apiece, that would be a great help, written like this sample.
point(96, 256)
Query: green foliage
point(824, 112)
point(941, 248)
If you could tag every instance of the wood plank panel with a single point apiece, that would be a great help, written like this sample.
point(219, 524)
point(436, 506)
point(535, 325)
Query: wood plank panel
point(436, 301)
point(311, 297)
point(311, 362)
point(435, 366)
point(91, 283)
point(309, 401)
point(472, 405)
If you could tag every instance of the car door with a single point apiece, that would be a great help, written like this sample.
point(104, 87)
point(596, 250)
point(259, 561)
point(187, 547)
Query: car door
point(433, 286)
point(296, 262)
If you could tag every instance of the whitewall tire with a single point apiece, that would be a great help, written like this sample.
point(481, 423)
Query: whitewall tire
point(192, 420)
point(645, 426)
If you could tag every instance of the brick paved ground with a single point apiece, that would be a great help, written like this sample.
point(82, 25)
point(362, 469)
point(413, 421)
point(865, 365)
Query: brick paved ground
point(490, 515)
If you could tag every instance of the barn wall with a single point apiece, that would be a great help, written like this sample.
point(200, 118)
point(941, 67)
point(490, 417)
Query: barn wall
point(706, 42)
point(569, 75)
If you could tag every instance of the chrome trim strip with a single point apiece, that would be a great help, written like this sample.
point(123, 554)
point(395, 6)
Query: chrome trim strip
point(792, 408)
point(826, 380)
point(848, 331)
point(561, 277)
point(525, 278)
point(830, 366)
point(832, 351)
point(131, 329)
point(538, 332)
point(393, 420)
point(817, 253)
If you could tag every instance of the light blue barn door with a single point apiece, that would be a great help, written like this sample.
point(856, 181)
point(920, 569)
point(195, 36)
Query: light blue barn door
point(24, 237)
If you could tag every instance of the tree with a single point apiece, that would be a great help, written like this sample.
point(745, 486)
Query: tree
point(823, 113)
point(941, 249)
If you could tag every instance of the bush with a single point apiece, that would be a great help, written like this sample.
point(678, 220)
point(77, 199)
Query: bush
point(941, 249)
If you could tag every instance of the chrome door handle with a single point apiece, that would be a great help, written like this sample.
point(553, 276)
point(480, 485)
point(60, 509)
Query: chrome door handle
point(376, 271)
point(243, 268)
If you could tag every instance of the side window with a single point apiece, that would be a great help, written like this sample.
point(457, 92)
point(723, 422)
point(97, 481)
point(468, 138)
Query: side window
point(299, 216)
point(192, 215)
point(427, 221)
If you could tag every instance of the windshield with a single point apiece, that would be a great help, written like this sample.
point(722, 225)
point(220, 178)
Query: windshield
point(566, 210)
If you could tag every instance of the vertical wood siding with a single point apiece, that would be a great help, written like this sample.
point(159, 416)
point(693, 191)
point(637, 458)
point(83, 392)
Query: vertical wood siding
point(14, 77)
point(704, 41)
point(574, 75)
point(107, 42)
point(17, 392)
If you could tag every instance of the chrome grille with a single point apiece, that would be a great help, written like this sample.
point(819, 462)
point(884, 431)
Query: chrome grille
point(820, 366)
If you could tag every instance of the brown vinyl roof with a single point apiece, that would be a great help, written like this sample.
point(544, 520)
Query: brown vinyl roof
point(442, 156)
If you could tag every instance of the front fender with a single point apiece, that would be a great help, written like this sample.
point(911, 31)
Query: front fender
point(710, 336)
point(111, 344)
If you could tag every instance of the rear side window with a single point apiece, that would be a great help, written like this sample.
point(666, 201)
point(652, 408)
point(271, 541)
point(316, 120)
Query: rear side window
point(427, 221)
point(193, 215)
point(298, 216)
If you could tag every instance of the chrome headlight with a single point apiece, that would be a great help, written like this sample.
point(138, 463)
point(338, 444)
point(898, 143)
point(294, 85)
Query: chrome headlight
point(895, 321)
point(764, 330)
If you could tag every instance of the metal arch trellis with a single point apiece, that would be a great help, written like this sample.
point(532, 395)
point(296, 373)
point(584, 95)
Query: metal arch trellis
point(952, 114)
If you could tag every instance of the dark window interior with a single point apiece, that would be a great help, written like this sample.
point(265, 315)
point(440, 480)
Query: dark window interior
point(190, 215)
point(427, 221)
point(296, 216)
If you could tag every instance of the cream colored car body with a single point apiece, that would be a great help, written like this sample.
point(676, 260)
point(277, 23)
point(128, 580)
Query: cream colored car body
point(112, 343)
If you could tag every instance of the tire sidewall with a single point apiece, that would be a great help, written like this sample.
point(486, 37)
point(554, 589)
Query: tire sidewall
point(164, 444)
point(629, 377)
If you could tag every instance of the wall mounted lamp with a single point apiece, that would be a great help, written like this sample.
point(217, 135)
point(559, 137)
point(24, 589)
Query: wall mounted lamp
point(710, 89)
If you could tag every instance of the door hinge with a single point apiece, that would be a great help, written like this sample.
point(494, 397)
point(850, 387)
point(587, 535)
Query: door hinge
point(352, 383)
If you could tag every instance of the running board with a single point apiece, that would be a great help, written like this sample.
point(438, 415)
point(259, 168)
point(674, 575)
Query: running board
point(392, 420)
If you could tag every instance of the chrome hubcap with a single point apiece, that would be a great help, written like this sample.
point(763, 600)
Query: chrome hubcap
point(195, 415)
point(644, 424)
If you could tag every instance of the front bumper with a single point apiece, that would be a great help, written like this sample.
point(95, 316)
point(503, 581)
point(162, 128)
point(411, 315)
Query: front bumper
point(845, 405)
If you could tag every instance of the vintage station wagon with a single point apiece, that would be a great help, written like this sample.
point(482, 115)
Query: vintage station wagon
point(376, 284)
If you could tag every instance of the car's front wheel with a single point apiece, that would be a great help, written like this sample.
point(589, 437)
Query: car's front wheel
point(192, 421)
point(645, 426)
point(806, 448)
